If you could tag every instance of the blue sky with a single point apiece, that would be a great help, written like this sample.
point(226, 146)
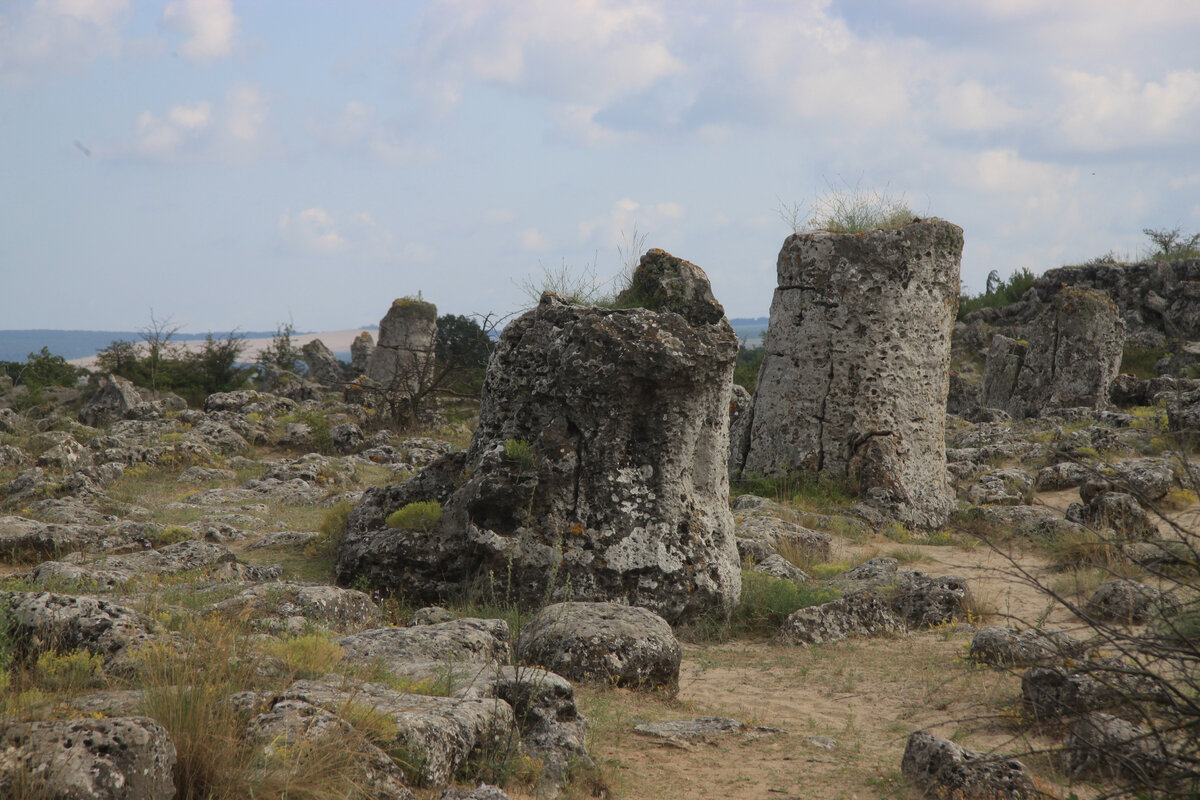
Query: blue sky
point(235, 163)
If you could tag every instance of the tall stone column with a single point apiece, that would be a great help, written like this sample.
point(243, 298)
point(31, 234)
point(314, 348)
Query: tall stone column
point(404, 353)
point(856, 372)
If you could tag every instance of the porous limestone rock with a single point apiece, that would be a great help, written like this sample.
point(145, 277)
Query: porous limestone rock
point(1005, 647)
point(942, 769)
point(87, 759)
point(856, 371)
point(360, 353)
point(406, 344)
point(112, 400)
point(1071, 358)
point(1127, 601)
point(323, 365)
point(605, 643)
point(599, 463)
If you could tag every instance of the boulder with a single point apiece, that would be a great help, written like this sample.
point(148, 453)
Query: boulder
point(1011, 486)
point(1073, 354)
point(323, 365)
point(776, 566)
point(599, 462)
point(459, 641)
point(87, 759)
point(1119, 513)
point(43, 621)
point(879, 599)
point(856, 371)
point(942, 769)
point(605, 643)
point(284, 725)
point(1122, 600)
point(405, 348)
point(439, 734)
point(115, 397)
point(1073, 689)
point(294, 606)
point(1104, 747)
point(1005, 647)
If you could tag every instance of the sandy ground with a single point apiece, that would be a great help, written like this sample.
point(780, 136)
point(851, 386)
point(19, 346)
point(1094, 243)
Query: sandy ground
point(337, 341)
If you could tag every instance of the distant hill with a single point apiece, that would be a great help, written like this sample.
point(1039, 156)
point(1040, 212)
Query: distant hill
point(750, 330)
point(17, 345)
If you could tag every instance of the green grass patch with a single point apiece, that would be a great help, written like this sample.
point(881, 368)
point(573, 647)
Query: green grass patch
point(422, 516)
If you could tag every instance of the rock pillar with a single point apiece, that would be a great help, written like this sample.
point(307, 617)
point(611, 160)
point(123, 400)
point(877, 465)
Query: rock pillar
point(598, 470)
point(404, 353)
point(856, 372)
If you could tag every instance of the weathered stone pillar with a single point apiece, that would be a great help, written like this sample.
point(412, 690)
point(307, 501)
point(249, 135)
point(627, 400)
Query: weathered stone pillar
point(856, 370)
point(360, 353)
point(598, 470)
point(1073, 354)
point(405, 348)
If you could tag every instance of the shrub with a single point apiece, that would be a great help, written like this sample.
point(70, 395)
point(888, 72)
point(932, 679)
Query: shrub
point(849, 210)
point(307, 656)
point(68, 672)
point(745, 371)
point(281, 352)
point(521, 453)
point(1139, 361)
point(813, 490)
point(423, 516)
point(999, 293)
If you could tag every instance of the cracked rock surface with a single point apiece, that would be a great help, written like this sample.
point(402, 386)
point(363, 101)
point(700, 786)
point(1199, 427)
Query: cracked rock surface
point(856, 372)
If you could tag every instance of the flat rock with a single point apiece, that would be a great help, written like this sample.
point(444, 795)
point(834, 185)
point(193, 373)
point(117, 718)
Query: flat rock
point(89, 759)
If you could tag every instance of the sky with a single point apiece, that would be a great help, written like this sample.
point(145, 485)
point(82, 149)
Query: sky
point(237, 164)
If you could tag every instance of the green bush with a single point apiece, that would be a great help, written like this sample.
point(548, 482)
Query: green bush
point(422, 516)
point(811, 490)
point(1139, 361)
point(764, 604)
point(850, 210)
point(1005, 293)
point(745, 371)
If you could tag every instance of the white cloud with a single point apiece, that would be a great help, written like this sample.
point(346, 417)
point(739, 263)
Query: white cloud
point(208, 27)
point(318, 231)
point(532, 239)
point(1102, 112)
point(197, 131)
point(357, 129)
point(972, 106)
point(58, 35)
point(312, 230)
point(584, 51)
point(628, 218)
point(1004, 171)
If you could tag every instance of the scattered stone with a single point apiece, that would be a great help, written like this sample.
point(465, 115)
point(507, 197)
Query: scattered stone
point(484, 791)
point(347, 437)
point(1126, 601)
point(206, 475)
point(760, 536)
point(292, 605)
point(1010, 487)
point(323, 365)
point(455, 641)
point(1055, 692)
point(430, 615)
point(88, 759)
point(603, 643)
point(1104, 747)
point(286, 724)
point(1119, 513)
point(942, 769)
point(1066, 475)
point(43, 621)
point(115, 397)
point(109, 571)
point(779, 567)
point(1005, 647)
point(440, 733)
point(857, 355)
point(690, 730)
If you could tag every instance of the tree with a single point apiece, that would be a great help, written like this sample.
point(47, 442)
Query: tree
point(281, 352)
point(1173, 243)
point(157, 336)
point(215, 367)
point(462, 341)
